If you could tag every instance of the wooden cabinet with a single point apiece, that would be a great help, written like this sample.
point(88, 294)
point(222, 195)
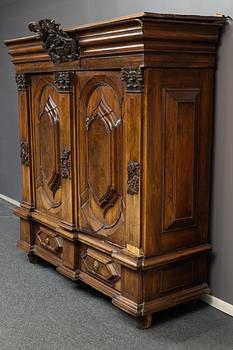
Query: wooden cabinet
point(116, 137)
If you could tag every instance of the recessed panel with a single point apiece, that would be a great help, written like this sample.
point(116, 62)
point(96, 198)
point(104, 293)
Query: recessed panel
point(180, 156)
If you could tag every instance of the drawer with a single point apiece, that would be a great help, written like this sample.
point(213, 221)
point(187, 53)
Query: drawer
point(100, 266)
point(49, 240)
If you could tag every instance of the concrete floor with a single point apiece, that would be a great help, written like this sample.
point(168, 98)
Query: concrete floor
point(40, 309)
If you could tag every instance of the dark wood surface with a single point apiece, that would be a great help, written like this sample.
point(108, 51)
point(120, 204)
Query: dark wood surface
point(116, 156)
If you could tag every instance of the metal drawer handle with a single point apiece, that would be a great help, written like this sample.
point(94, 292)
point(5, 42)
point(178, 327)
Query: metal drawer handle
point(47, 241)
point(96, 266)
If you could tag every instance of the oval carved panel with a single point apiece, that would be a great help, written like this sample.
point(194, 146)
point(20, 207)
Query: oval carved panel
point(101, 198)
point(47, 137)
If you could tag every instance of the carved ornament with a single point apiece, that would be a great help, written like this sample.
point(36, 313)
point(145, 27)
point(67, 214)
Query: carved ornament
point(58, 44)
point(24, 153)
point(133, 177)
point(65, 164)
point(63, 81)
point(133, 78)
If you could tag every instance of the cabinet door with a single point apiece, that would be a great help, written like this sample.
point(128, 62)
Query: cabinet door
point(46, 145)
point(101, 152)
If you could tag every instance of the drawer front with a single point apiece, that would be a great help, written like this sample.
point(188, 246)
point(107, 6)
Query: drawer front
point(100, 265)
point(49, 240)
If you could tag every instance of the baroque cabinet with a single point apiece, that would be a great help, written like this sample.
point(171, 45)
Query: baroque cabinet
point(115, 143)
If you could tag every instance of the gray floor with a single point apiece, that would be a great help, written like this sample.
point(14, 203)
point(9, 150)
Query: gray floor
point(40, 309)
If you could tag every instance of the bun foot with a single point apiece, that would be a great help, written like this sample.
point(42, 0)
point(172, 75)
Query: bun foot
point(33, 259)
point(144, 322)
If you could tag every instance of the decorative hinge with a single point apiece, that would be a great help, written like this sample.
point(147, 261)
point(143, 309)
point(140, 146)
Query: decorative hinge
point(63, 81)
point(133, 177)
point(65, 164)
point(134, 79)
point(58, 44)
point(22, 81)
point(24, 153)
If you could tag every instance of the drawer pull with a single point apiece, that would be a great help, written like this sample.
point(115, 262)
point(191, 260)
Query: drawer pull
point(96, 266)
point(47, 241)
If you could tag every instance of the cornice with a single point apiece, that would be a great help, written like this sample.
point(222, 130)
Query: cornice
point(146, 34)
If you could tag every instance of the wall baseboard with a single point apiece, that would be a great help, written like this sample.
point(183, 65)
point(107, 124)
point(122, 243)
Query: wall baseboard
point(218, 304)
point(10, 200)
point(208, 299)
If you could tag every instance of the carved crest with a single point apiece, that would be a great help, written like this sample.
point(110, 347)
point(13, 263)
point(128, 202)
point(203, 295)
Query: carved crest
point(63, 81)
point(24, 153)
point(65, 164)
point(21, 81)
point(133, 177)
point(134, 79)
point(57, 43)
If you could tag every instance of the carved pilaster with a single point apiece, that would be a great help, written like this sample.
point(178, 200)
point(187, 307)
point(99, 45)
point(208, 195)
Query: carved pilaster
point(133, 78)
point(63, 81)
point(65, 164)
point(22, 81)
point(133, 177)
point(24, 153)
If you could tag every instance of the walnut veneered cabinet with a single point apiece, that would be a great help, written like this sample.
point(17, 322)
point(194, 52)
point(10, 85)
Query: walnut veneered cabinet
point(115, 140)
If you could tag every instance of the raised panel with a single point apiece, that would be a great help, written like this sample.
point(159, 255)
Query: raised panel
point(181, 111)
point(177, 276)
point(46, 145)
point(99, 265)
point(101, 198)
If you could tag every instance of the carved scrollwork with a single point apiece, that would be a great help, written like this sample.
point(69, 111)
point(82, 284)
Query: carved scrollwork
point(22, 81)
point(57, 43)
point(65, 164)
point(63, 81)
point(134, 79)
point(133, 177)
point(24, 153)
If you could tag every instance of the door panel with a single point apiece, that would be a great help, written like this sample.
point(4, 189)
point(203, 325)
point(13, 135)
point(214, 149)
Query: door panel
point(101, 147)
point(46, 128)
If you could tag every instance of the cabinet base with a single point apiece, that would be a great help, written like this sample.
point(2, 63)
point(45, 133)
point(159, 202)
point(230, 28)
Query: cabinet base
point(120, 296)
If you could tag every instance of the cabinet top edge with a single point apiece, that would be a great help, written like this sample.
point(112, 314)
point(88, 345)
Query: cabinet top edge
point(155, 17)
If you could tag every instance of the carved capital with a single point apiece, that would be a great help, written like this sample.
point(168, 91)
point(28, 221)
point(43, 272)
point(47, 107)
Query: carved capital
point(58, 44)
point(22, 81)
point(65, 164)
point(63, 81)
point(133, 78)
point(133, 177)
point(24, 153)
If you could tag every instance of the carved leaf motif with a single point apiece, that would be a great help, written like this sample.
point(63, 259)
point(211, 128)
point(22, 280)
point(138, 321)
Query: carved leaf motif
point(65, 164)
point(133, 78)
point(133, 177)
point(57, 43)
point(24, 153)
point(21, 81)
point(63, 81)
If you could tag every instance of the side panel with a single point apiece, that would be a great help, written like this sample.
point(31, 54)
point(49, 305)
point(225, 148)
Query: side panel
point(177, 134)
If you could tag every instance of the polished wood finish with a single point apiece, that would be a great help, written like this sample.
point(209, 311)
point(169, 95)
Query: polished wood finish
point(116, 156)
